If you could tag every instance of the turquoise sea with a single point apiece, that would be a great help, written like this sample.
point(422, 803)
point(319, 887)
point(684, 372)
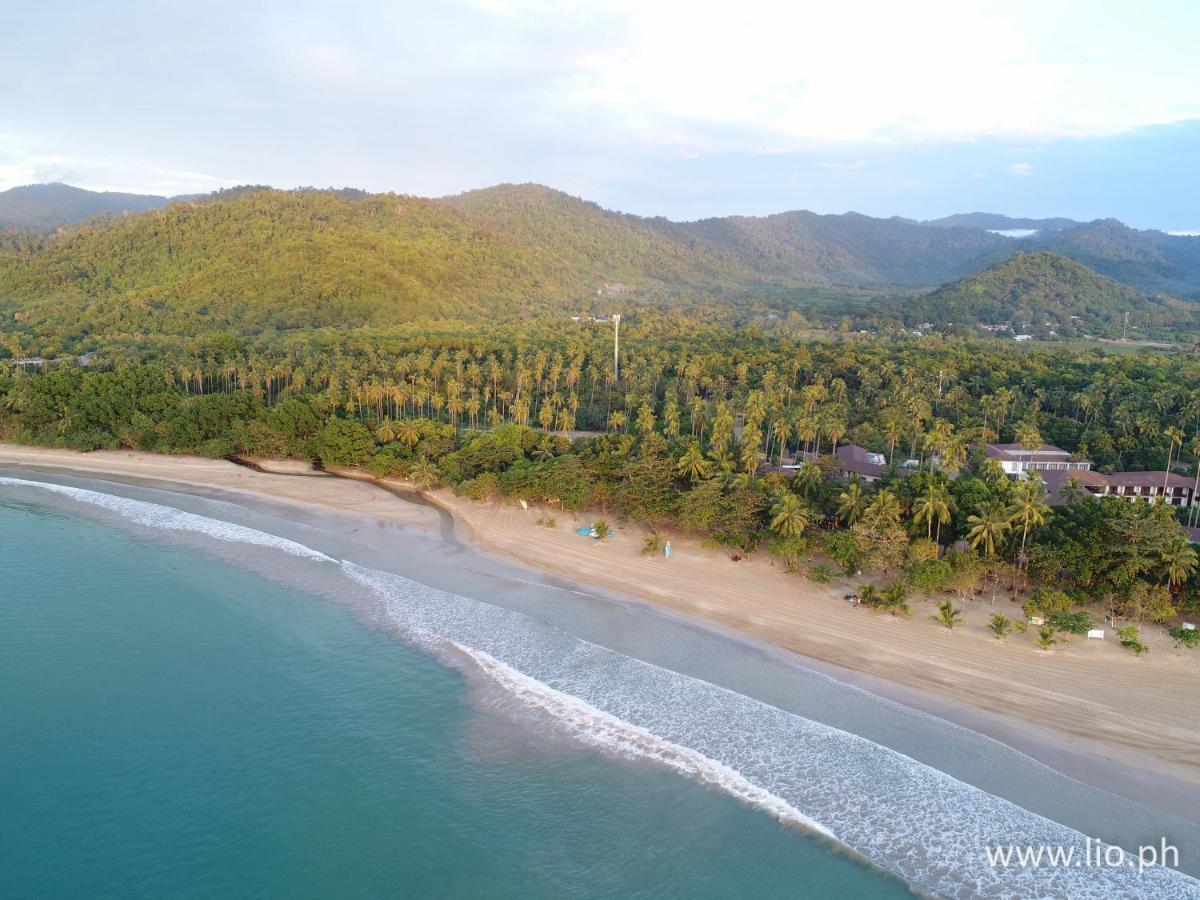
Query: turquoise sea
point(197, 707)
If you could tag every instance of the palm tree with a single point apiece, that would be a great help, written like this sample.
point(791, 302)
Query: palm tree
point(600, 529)
point(1000, 625)
point(947, 615)
point(617, 420)
point(807, 477)
point(1027, 508)
point(868, 595)
point(545, 448)
point(424, 474)
point(408, 433)
point(935, 503)
point(1028, 436)
point(884, 508)
point(989, 525)
point(385, 434)
point(692, 465)
point(1179, 561)
point(1174, 438)
point(1046, 638)
point(789, 518)
point(851, 503)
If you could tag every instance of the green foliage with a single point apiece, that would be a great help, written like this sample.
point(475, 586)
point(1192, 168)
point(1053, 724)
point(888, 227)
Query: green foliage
point(653, 544)
point(930, 576)
point(1044, 292)
point(340, 443)
point(840, 547)
point(1071, 622)
point(947, 616)
point(1131, 638)
point(1000, 625)
point(1185, 637)
point(821, 573)
point(1046, 638)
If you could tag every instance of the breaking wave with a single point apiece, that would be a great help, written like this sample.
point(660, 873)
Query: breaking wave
point(155, 515)
point(903, 816)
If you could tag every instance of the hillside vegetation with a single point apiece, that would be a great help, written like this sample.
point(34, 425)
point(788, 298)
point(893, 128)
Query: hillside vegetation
point(252, 259)
point(1044, 292)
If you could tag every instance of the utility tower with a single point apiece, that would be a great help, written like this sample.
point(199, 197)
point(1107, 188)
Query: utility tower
point(616, 320)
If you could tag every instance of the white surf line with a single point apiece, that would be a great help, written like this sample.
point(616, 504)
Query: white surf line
point(597, 728)
point(168, 518)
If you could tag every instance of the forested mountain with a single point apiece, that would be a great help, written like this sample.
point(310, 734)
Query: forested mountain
point(1043, 292)
point(997, 222)
point(254, 258)
point(793, 248)
point(1148, 260)
point(42, 207)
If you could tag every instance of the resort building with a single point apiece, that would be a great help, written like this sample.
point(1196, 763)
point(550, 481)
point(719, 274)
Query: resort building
point(1016, 460)
point(1131, 486)
point(1057, 468)
point(864, 463)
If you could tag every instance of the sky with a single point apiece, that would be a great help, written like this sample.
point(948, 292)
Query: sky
point(1079, 108)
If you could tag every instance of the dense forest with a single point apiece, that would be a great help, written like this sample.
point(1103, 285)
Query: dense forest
point(465, 342)
point(254, 259)
point(1047, 295)
point(688, 436)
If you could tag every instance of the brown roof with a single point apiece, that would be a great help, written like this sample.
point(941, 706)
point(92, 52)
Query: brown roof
point(854, 459)
point(1057, 479)
point(1148, 479)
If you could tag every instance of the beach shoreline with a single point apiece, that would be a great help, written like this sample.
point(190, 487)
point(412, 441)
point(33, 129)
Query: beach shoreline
point(1043, 705)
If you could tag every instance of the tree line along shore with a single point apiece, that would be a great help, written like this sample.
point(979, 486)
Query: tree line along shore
point(691, 435)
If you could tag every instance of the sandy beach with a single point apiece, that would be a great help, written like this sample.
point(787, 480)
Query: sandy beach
point(1090, 696)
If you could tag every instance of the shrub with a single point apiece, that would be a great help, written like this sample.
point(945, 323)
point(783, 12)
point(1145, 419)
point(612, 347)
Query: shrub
point(1185, 637)
point(1071, 622)
point(1130, 637)
point(930, 576)
point(482, 487)
point(653, 544)
point(548, 522)
point(822, 573)
point(839, 545)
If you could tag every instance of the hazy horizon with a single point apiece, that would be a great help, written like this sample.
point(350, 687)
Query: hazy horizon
point(1080, 110)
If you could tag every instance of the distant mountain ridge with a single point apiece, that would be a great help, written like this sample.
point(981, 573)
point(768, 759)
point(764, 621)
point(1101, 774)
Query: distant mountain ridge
point(252, 257)
point(997, 222)
point(43, 207)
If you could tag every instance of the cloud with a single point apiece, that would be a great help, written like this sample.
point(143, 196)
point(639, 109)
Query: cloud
point(1020, 168)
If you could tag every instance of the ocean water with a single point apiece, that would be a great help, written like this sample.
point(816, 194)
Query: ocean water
point(186, 712)
point(178, 727)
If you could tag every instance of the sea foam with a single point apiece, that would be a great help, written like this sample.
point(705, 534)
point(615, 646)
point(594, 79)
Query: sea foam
point(904, 816)
point(167, 518)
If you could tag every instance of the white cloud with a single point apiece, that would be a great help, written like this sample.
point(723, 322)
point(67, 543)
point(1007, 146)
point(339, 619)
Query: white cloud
point(1020, 168)
point(774, 76)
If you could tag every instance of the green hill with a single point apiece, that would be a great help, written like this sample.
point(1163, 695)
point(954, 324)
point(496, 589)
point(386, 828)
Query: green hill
point(1043, 292)
point(43, 207)
point(250, 258)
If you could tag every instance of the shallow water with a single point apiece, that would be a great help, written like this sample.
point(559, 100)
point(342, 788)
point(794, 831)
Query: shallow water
point(651, 754)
